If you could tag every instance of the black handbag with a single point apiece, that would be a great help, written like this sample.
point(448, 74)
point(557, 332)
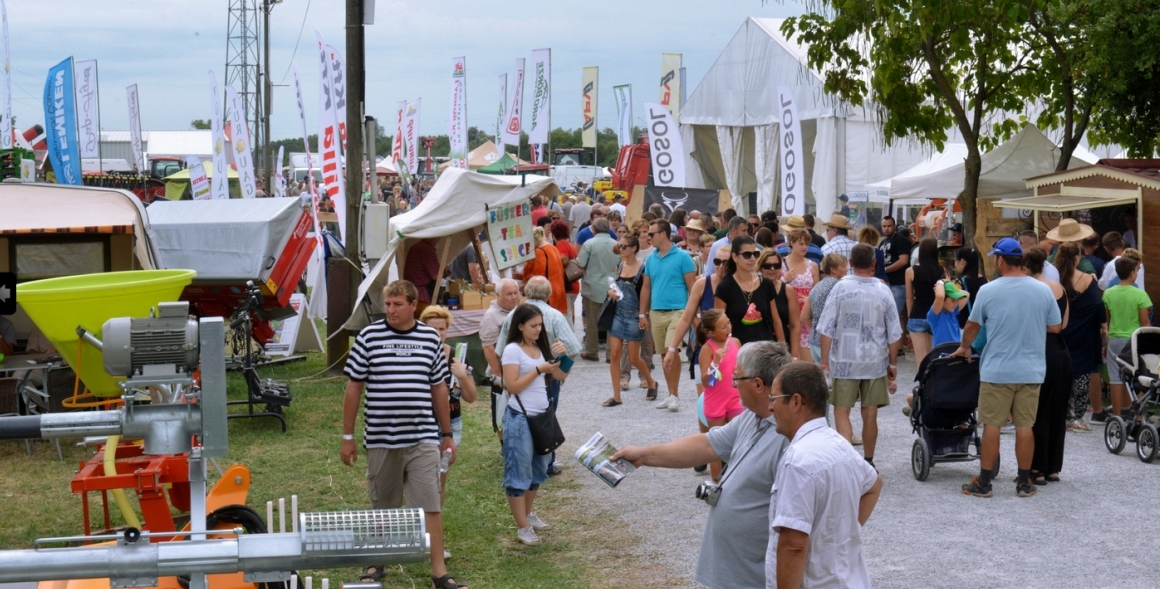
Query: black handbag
point(545, 429)
point(606, 315)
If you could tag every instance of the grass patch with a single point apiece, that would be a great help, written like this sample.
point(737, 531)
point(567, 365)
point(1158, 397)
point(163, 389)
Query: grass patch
point(587, 546)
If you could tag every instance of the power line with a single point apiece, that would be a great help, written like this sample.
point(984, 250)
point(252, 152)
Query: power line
point(295, 53)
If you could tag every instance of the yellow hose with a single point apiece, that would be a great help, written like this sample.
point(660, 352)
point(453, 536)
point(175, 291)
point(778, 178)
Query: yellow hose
point(119, 494)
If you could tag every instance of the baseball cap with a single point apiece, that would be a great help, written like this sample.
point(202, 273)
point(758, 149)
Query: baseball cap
point(953, 291)
point(957, 227)
point(1007, 247)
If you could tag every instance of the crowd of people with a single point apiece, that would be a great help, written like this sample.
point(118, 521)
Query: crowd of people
point(780, 326)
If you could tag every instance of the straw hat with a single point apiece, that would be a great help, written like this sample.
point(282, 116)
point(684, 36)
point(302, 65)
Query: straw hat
point(1070, 230)
point(795, 222)
point(694, 225)
point(838, 220)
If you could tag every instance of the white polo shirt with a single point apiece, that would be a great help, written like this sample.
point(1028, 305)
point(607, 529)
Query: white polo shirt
point(818, 486)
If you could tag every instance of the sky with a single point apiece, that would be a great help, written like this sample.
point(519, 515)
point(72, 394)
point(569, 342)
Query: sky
point(167, 48)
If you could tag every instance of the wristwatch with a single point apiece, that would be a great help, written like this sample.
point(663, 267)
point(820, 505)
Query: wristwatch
point(674, 350)
point(640, 316)
point(348, 436)
point(445, 435)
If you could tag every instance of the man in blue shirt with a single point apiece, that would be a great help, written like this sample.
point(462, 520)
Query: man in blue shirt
point(1018, 312)
point(668, 278)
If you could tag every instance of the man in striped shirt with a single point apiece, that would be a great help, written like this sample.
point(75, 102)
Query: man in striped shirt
point(400, 364)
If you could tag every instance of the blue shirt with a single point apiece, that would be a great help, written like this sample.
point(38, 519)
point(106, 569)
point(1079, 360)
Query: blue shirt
point(944, 327)
point(1016, 313)
point(586, 234)
point(666, 275)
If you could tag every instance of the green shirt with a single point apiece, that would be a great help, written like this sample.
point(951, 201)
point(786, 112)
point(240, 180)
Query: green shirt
point(1124, 304)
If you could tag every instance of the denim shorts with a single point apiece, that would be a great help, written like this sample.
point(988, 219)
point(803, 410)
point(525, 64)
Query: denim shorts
point(899, 293)
point(917, 326)
point(523, 469)
point(457, 430)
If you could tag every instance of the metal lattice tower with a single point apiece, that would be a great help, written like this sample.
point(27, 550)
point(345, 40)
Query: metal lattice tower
point(243, 64)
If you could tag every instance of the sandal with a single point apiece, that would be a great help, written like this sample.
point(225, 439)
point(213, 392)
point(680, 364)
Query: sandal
point(446, 582)
point(611, 402)
point(1052, 478)
point(651, 395)
point(372, 574)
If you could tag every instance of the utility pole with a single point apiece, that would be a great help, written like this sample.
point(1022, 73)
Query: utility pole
point(267, 87)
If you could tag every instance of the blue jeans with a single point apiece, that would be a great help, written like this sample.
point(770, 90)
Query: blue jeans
point(523, 469)
point(899, 293)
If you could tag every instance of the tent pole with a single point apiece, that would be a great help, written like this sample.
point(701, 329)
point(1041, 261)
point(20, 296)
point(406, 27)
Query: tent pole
point(442, 266)
point(479, 259)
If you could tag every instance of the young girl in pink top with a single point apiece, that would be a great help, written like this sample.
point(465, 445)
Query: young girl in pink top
point(718, 357)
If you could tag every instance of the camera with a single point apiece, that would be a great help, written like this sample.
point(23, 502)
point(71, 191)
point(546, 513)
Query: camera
point(708, 492)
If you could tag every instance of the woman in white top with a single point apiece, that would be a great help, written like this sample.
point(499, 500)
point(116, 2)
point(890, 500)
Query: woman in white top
point(527, 363)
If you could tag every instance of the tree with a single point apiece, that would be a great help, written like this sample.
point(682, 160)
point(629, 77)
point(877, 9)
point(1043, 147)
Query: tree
point(928, 65)
point(200, 124)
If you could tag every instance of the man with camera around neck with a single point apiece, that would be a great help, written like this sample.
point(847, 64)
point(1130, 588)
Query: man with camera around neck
point(737, 530)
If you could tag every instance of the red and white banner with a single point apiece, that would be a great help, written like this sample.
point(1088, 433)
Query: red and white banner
point(541, 97)
point(338, 84)
point(511, 121)
point(243, 153)
point(457, 128)
point(309, 161)
point(330, 139)
point(397, 143)
point(219, 184)
point(411, 135)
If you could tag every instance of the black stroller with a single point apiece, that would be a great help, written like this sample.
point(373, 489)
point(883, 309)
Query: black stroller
point(1139, 366)
point(943, 415)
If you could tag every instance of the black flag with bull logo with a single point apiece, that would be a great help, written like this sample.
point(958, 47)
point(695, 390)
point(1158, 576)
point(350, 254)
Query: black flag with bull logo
point(689, 199)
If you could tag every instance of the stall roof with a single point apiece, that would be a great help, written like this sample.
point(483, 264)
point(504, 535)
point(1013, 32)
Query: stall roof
point(1070, 201)
point(1141, 172)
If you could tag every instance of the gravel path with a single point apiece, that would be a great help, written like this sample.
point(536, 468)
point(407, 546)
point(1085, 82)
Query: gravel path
point(1094, 529)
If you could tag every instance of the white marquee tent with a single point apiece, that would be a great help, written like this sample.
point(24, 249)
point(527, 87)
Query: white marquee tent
point(730, 125)
point(454, 209)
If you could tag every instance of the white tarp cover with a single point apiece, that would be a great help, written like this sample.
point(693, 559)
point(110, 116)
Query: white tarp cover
point(1001, 175)
point(236, 239)
point(55, 208)
point(455, 207)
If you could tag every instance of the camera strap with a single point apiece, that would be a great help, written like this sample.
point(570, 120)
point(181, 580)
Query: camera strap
point(761, 429)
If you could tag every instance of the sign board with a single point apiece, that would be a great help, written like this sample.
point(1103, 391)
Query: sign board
point(294, 334)
point(690, 199)
point(509, 227)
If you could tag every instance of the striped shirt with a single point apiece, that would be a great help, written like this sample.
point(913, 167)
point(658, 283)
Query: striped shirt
point(399, 369)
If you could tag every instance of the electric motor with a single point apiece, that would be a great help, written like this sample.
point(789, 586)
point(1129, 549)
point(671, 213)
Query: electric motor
point(155, 346)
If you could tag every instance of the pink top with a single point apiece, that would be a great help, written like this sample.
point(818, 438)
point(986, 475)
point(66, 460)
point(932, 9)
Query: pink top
point(722, 398)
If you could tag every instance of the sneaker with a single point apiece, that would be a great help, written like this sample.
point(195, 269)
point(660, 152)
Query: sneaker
point(674, 403)
point(701, 470)
point(974, 488)
point(527, 536)
point(1025, 489)
point(537, 523)
point(446, 555)
point(1101, 417)
point(855, 440)
point(906, 410)
point(665, 404)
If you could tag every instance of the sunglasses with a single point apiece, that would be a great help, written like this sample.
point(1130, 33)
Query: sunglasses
point(776, 266)
point(747, 255)
point(720, 261)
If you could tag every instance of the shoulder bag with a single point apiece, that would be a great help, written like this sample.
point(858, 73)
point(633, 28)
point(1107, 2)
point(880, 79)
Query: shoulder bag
point(545, 429)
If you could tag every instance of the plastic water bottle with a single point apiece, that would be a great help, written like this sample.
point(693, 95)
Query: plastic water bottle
point(445, 462)
point(615, 288)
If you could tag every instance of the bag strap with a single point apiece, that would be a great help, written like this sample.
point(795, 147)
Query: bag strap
point(521, 404)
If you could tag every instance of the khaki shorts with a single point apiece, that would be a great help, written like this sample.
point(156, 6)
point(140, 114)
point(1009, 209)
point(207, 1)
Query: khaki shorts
point(872, 392)
point(412, 472)
point(663, 325)
point(998, 400)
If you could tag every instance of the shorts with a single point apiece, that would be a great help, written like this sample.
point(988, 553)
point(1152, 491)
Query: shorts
point(729, 414)
point(917, 326)
point(998, 400)
point(1115, 346)
point(816, 352)
point(664, 327)
point(701, 411)
point(457, 430)
point(523, 469)
point(871, 392)
point(411, 472)
point(626, 327)
point(899, 293)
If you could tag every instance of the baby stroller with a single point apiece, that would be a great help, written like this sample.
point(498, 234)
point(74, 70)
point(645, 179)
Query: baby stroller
point(1139, 366)
point(943, 415)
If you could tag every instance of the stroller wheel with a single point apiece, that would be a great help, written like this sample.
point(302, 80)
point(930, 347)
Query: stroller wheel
point(1115, 434)
point(1146, 443)
point(920, 460)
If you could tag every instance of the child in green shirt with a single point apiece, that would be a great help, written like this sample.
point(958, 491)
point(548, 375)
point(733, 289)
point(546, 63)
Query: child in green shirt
point(1127, 311)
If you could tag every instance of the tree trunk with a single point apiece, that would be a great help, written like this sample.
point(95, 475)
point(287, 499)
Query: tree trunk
point(974, 224)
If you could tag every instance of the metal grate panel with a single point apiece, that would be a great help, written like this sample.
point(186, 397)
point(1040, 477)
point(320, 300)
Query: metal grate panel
point(367, 530)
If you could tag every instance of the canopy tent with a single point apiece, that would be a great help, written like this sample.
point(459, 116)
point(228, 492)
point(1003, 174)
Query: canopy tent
point(386, 167)
point(501, 166)
point(484, 155)
point(1001, 173)
point(452, 213)
point(177, 184)
point(730, 126)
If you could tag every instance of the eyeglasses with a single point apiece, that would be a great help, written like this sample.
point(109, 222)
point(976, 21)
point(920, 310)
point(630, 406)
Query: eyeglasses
point(742, 379)
point(776, 266)
point(772, 398)
point(747, 255)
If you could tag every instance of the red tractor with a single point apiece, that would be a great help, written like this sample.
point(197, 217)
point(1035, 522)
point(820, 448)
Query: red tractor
point(632, 166)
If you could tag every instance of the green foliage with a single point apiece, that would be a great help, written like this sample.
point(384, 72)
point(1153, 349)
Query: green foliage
point(200, 124)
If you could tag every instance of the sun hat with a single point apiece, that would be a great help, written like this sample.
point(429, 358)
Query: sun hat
point(1070, 230)
point(953, 291)
point(838, 220)
point(694, 225)
point(1007, 247)
point(795, 222)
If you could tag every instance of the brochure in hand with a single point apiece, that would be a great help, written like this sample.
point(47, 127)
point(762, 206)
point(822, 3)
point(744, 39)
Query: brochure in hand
point(595, 454)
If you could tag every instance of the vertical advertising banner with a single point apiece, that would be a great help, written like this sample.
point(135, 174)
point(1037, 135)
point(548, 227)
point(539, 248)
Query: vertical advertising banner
point(541, 97)
point(511, 121)
point(665, 146)
point(457, 129)
point(88, 108)
point(6, 87)
point(590, 85)
point(499, 142)
point(411, 135)
point(509, 228)
point(198, 183)
point(623, 96)
point(61, 123)
point(309, 160)
point(220, 183)
point(338, 86)
point(399, 145)
point(671, 82)
point(243, 154)
point(330, 139)
point(279, 176)
point(793, 198)
point(135, 130)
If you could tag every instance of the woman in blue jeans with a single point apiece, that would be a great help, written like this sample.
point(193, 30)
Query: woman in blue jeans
point(527, 366)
